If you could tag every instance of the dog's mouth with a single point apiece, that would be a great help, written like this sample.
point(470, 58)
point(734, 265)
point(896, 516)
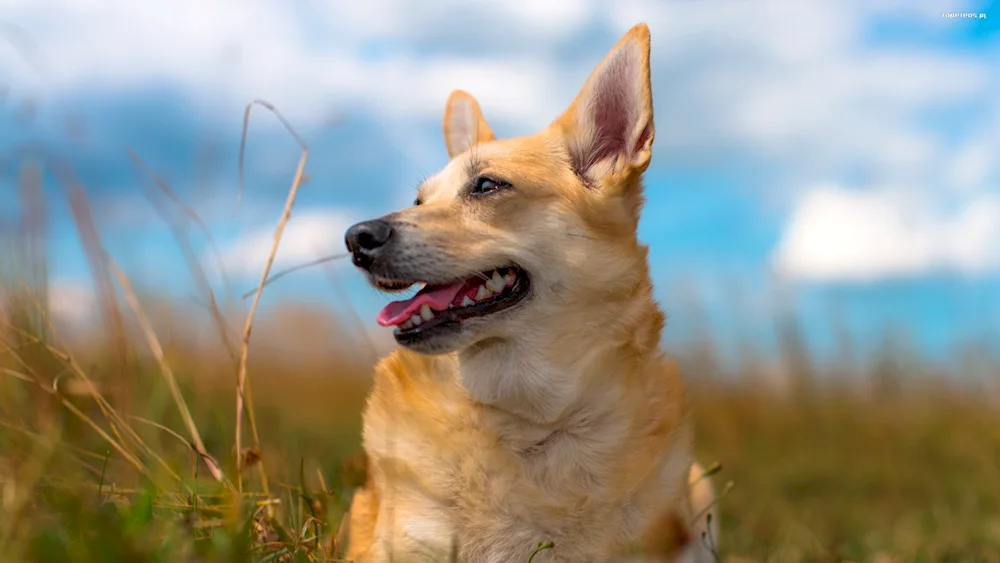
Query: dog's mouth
point(439, 305)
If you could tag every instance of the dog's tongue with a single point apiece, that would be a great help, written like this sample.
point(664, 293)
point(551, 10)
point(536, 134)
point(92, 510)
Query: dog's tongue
point(438, 297)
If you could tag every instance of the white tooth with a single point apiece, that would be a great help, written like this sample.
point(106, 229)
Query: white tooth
point(466, 301)
point(425, 312)
point(416, 320)
point(498, 282)
point(508, 280)
point(483, 293)
point(407, 325)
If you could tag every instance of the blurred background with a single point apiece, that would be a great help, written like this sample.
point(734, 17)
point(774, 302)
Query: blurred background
point(823, 218)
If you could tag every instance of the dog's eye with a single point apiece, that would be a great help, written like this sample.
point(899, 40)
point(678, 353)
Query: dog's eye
point(485, 186)
point(416, 201)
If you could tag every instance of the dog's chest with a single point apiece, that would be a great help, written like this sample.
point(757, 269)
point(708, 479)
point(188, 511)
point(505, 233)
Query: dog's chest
point(506, 498)
point(463, 479)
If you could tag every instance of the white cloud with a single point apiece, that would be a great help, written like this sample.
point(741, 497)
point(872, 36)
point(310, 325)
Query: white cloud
point(835, 234)
point(805, 93)
point(795, 81)
point(802, 84)
point(307, 61)
point(972, 165)
point(800, 89)
point(309, 235)
point(72, 302)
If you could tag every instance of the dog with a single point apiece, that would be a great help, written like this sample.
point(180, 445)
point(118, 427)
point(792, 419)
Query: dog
point(528, 411)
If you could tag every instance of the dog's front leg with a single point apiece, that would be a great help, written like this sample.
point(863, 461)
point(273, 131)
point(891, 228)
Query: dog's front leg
point(355, 537)
point(417, 531)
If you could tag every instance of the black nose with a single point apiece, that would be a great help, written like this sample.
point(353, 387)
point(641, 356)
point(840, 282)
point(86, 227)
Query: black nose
point(365, 240)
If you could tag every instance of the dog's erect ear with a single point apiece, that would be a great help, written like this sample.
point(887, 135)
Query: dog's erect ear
point(609, 126)
point(464, 124)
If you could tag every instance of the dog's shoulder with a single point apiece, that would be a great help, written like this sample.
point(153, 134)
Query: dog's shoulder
point(415, 405)
point(658, 389)
point(404, 372)
point(412, 382)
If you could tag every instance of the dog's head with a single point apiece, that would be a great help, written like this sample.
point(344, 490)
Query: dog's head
point(514, 231)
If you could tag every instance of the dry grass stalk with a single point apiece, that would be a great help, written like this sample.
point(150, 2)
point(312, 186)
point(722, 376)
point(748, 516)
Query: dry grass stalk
point(31, 262)
point(68, 447)
point(30, 376)
point(105, 290)
point(96, 256)
point(110, 414)
point(22, 484)
point(194, 266)
point(293, 269)
point(168, 374)
point(243, 392)
point(115, 421)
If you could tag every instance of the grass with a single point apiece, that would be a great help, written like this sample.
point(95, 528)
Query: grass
point(836, 476)
point(127, 442)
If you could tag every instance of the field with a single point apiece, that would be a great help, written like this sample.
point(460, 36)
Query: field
point(118, 442)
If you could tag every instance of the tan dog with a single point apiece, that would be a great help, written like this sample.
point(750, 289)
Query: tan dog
point(529, 401)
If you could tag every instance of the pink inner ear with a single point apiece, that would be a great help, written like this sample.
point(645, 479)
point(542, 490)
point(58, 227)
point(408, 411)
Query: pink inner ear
point(641, 141)
point(612, 108)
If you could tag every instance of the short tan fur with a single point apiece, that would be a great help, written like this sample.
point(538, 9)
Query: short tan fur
point(559, 418)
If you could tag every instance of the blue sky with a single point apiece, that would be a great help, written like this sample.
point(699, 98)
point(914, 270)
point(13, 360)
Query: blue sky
point(839, 156)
